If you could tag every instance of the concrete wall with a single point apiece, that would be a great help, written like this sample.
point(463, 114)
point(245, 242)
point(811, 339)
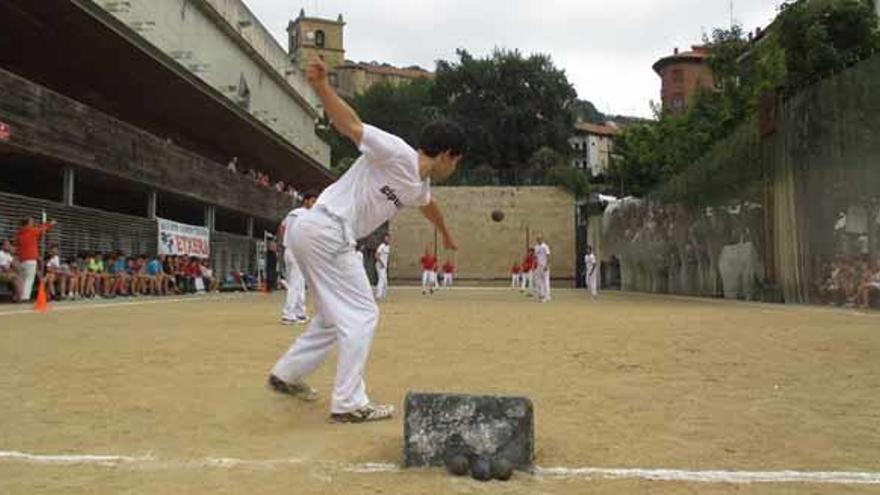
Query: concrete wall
point(793, 215)
point(486, 249)
point(221, 42)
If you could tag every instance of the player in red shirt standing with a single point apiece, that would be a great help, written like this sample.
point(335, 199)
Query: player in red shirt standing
point(448, 274)
point(429, 276)
point(28, 242)
point(514, 276)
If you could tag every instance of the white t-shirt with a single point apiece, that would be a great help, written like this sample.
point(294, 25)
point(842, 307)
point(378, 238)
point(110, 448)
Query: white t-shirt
point(590, 262)
point(288, 222)
point(54, 262)
point(382, 181)
point(382, 254)
point(5, 260)
point(542, 251)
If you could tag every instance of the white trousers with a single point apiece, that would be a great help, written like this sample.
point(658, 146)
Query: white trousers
point(382, 283)
point(28, 274)
point(542, 282)
point(592, 280)
point(295, 304)
point(345, 311)
point(514, 281)
point(447, 280)
point(429, 279)
point(527, 279)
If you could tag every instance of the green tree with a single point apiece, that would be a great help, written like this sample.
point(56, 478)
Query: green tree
point(510, 105)
point(823, 37)
point(585, 111)
point(399, 109)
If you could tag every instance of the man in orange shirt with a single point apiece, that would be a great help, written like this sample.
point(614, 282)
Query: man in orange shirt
point(28, 241)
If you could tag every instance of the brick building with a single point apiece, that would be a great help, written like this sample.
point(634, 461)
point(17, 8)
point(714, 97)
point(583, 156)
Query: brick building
point(682, 73)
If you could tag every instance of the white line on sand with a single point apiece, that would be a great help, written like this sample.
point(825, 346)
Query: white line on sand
point(586, 473)
point(741, 477)
point(74, 306)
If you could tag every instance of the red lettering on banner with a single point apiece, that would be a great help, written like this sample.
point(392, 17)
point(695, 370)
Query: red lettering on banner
point(191, 246)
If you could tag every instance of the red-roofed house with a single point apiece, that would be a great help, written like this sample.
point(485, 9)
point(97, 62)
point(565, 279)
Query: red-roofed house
point(593, 145)
point(682, 74)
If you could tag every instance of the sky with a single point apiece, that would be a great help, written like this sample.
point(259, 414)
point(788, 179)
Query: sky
point(606, 47)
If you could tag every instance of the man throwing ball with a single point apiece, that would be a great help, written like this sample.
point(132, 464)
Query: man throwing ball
point(388, 176)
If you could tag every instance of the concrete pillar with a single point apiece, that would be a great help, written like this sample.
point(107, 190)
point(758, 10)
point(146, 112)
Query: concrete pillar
point(250, 226)
point(210, 217)
point(152, 202)
point(69, 186)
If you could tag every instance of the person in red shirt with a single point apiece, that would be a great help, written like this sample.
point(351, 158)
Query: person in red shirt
point(514, 276)
point(448, 273)
point(28, 243)
point(429, 276)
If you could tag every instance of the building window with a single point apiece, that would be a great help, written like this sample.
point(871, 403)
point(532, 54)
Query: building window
point(678, 102)
point(319, 38)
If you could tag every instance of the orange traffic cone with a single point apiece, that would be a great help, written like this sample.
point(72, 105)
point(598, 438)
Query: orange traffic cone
point(42, 303)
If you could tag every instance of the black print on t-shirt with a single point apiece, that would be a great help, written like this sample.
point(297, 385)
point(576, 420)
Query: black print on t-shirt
point(391, 195)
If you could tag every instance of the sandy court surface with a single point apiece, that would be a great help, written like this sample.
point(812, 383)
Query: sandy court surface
point(630, 381)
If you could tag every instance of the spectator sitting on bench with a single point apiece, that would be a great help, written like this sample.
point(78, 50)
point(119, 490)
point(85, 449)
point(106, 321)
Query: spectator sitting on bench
point(9, 270)
point(156, 277)
point(212, 284)
point(75, 278)
point(870, 284)
point(54, 274)
point(121, 279)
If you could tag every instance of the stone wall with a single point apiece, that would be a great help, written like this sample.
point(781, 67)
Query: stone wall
point(487, 249)
point(790, 215)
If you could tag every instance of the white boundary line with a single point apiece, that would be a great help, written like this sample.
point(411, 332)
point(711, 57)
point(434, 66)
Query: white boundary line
point(737, 477)
point(585, 473)
point(75, 306)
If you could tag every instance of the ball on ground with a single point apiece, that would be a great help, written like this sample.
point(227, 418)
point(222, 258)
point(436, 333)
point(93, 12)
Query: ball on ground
point(497, 215)
point(502, 469)
point(458, 465)
point(481, 469)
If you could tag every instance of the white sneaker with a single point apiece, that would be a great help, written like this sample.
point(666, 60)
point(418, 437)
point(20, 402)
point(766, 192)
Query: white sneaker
point(370, 412)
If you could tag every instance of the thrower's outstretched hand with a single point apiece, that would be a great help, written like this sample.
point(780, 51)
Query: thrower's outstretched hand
point(342, 116)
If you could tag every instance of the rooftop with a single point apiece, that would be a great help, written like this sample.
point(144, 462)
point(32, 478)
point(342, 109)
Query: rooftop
point(698, 54)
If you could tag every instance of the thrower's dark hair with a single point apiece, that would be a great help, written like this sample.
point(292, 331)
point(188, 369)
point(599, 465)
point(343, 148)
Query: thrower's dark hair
point(441, 136)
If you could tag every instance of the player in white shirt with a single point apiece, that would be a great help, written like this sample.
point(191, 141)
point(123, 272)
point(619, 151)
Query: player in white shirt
point(294, 311)
point(388, 176)
point(383, 254)
point(542, 273)
point(591, 272)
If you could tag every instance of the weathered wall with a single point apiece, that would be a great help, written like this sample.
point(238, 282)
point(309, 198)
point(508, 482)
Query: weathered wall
point(793, 215)
point(223, 43)
point(486, 249)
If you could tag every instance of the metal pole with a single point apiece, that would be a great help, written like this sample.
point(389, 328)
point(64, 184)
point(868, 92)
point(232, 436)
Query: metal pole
point(42, 247)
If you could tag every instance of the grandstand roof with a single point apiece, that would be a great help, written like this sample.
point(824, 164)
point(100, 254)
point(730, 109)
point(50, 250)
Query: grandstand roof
point(77, 49)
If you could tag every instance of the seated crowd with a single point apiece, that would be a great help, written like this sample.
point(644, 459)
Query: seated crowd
point(89, 275)
point(852, 281)
point(263, 180)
